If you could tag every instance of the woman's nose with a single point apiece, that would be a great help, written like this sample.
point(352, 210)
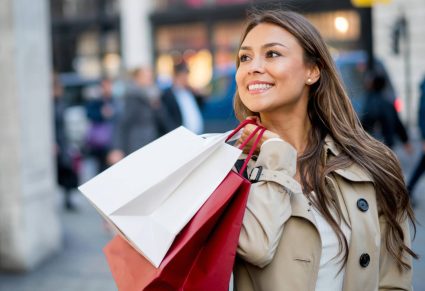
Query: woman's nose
point(256, 66)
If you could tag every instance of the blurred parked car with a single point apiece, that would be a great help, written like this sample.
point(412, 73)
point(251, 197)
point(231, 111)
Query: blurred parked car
point(218, 109)
point(74, 86)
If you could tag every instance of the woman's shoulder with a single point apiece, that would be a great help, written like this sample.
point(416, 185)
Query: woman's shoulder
point(368, 166)
point(352, 171)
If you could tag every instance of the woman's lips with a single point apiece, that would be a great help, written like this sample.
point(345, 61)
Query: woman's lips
point(259, 87)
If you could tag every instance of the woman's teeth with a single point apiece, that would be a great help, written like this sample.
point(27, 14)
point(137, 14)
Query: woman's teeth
point(256, 87)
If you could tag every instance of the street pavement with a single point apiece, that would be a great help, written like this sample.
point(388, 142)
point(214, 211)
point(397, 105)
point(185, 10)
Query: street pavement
point(408, 163)
point(81, 265)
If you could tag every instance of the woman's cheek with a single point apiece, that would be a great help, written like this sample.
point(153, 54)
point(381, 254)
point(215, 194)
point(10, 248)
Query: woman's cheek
point(240, 73)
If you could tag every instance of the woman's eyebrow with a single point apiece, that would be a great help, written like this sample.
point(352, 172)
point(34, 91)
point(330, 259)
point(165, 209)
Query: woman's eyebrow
point(267, 45)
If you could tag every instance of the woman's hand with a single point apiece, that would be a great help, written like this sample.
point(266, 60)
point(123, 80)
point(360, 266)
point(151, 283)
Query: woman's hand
point(246, 132)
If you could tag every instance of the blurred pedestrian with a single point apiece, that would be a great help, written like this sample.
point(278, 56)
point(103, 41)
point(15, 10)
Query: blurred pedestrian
point(102, 113)
point(66, 172)
point(380, 114)
point(182, 103)
point(328, 208)
point(138, 123)
point(420, 167)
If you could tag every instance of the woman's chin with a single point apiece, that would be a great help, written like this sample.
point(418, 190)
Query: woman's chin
point(253, 105)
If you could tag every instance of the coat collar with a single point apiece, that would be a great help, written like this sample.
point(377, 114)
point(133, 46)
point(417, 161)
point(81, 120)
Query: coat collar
point(354, 172)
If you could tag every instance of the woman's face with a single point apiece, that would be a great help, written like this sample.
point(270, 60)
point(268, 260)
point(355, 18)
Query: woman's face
point(272, 75)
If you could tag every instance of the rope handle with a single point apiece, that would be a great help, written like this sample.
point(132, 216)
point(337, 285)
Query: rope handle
point(259, 129)
point(239, 127)
point(254, 146)
point(250, 137)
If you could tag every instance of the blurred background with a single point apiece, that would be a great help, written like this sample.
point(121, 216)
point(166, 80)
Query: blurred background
point(86, 82)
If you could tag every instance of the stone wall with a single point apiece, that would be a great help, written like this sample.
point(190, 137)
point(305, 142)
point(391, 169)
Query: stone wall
point(29, 225)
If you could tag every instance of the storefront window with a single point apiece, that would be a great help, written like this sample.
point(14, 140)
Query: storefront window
point(184, 43)
point(337, 26)
point(226, 36)
point(77, 9)
point(193, 4)
point(97, 54)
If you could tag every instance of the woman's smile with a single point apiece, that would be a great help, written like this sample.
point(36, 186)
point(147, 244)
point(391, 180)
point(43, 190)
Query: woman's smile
point(259, 87)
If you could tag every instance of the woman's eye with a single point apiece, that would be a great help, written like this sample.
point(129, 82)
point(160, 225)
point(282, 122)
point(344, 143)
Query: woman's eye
point(243, 58)
point(272, 54)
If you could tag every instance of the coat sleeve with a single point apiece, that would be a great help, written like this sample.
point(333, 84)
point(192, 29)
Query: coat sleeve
point(268, 206)
point(120, 138)
point(390, 276)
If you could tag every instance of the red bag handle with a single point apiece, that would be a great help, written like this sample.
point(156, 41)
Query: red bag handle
point(240, 126)
point(259, 129)
point(248, 139)
point(254, 146)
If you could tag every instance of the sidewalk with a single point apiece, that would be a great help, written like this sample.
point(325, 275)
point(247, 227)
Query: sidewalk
point(419, 243)
point(408, 163)
point(81, 265)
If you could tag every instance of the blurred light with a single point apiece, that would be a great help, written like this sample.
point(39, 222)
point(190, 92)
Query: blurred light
point(164, 64)
point(164, 69)
point(341, 24)
point(112, 63)
point(89, 67)
point(338, 25)
point(398, 104)
point(368, 3)
point(200, 66)
point(188, 54)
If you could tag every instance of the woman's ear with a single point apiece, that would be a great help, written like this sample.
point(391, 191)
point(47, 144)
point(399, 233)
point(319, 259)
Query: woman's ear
point(313, 75)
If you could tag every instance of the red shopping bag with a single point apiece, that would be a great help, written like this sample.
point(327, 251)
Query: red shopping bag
point(202, 255)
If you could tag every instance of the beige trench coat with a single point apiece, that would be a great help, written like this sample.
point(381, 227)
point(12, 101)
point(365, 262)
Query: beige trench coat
point(280, 246)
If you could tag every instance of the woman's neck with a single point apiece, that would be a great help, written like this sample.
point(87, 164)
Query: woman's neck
point(291, 127)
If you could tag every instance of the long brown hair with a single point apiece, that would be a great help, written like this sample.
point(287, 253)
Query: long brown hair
point(331, 113)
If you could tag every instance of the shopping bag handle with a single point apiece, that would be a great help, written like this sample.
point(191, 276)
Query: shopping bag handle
point(250, 137)
point(240, 126)
point(254, 146)
point(259, 129)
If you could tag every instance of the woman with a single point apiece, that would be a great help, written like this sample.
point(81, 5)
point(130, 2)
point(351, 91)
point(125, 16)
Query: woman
point(328, 208)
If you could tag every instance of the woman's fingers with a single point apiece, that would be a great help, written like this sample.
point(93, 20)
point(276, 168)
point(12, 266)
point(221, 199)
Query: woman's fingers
point(246, 133)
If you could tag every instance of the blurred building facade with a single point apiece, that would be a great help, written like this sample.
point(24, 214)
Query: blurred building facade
point(399, 39)
point(85, 36)
point(203, 33)
point(100, 36)
point(108, 36)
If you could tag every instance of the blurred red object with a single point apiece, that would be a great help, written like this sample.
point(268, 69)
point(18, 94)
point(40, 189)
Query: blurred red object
point(398, 104)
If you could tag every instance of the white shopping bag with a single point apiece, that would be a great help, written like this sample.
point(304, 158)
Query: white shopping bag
point(150, 195)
